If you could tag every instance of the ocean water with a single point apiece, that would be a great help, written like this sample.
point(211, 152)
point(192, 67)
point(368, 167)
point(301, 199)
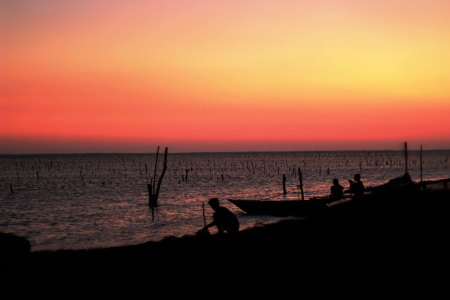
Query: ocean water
point(81, 201)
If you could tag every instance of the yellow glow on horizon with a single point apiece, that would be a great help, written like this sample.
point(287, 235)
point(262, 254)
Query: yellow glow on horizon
point(261, 69)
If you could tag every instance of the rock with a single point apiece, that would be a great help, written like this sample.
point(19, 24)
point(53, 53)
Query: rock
point(14, 251)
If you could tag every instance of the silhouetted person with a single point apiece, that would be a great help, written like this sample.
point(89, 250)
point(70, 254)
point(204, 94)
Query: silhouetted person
point(224, 219)
point(356, 187)
point(337, 190)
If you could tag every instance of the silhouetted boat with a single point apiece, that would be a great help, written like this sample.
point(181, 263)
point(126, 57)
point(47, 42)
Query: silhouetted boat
point(399, 188)
point(280, 207)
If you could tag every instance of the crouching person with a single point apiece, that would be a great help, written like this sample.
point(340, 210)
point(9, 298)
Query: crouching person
point(223, 218)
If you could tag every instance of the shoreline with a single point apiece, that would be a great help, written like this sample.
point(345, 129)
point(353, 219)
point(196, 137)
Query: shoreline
point(368, 234)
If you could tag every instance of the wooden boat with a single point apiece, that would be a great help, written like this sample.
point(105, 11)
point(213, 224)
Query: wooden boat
point(398, 188)
point(280, 207)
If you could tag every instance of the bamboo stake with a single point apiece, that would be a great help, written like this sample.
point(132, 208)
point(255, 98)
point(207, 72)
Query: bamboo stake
point(203, 212)
point(151, 200)
point(421, 154)
point(154, 174)
point(406, 158)
point(153, 189)
point(150, 194)
point(162, 175)
point(153, 213)
point(301, 183)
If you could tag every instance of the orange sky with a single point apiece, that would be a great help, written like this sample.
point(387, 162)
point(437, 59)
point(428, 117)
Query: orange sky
point(125, 76)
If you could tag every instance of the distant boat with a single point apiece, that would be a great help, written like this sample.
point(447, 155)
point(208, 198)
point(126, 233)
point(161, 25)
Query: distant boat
point(400, 187)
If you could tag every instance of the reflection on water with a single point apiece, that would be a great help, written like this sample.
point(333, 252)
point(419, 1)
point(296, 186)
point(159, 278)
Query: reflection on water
point(98, 200)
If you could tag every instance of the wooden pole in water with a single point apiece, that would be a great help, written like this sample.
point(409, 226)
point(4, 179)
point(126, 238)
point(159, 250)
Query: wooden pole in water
point(153, 213)
point(284, 184)
point(161, 177)
point(421, 154)
point(406, 158)
point(154, 173)
point(151, 200)
point(152, 187)
point(300, 177)
point(203, 211)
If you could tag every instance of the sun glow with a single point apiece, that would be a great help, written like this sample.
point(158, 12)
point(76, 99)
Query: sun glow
point(199, 72)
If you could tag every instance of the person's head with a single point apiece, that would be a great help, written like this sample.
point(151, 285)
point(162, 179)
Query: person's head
point(214, 203)
point(335, 181)
point(357, 177)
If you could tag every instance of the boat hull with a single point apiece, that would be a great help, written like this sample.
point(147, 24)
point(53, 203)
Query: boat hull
point(399, 192)
point(279, 207)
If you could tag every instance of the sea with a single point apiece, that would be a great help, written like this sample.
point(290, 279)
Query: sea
point(85, 201)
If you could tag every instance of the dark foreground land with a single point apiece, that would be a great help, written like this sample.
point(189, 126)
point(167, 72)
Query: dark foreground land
point(381, 242)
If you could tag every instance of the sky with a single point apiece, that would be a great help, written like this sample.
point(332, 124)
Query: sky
point(235, 75)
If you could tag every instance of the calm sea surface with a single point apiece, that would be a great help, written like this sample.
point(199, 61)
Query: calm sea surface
point(84, 201)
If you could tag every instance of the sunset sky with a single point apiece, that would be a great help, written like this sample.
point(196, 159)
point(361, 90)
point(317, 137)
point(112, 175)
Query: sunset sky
point(235, 75)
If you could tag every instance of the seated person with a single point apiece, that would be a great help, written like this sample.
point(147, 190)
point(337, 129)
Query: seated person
point(337, 190)
point(356, 187)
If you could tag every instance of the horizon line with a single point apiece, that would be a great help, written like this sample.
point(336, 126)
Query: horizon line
point(218, 152)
